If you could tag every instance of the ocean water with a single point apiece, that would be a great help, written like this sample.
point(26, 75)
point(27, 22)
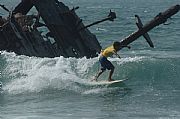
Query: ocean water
point(59, 88)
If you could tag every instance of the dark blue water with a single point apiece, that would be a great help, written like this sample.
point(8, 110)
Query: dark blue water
point(59, 88)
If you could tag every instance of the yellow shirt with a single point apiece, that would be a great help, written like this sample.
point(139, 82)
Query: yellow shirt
point(108, 52)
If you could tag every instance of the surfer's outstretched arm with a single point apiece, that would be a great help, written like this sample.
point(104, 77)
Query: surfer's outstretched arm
point(117, 55)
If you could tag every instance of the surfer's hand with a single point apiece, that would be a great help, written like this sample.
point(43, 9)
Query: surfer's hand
point(129, 47)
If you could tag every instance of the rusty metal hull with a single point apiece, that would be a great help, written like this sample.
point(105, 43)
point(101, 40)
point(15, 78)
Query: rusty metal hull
point(62, 26)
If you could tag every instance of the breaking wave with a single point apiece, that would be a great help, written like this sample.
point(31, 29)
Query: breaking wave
point(23, 74)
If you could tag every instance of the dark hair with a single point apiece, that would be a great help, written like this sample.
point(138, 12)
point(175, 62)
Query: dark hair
point(116, 44)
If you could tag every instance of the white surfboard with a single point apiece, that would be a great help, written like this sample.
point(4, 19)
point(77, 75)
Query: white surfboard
point(105, 82)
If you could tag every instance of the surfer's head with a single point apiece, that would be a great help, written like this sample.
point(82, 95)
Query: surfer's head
point(116, 45)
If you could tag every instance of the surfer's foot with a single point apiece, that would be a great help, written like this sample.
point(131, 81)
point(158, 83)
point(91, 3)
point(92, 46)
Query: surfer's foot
point(110, 80)
point(95, 79)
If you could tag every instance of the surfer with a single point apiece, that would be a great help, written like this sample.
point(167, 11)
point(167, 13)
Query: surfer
point(105, 63)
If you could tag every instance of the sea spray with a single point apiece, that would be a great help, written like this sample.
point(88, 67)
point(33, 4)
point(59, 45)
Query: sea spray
point(32, 74)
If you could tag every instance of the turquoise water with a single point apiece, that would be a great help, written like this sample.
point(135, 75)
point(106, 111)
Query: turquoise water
point(59, 88)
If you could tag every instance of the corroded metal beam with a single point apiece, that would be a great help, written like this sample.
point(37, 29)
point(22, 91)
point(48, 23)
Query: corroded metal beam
point(159, 19)
point(23, 7)
point(110, 17)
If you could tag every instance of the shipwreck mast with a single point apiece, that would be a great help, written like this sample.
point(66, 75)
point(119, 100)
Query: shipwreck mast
point(142, 31)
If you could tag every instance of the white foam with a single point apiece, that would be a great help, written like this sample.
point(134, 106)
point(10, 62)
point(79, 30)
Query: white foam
point(127, 59)
point(32, 74)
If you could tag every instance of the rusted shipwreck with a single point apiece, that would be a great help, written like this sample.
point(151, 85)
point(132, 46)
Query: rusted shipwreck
point(65, 34)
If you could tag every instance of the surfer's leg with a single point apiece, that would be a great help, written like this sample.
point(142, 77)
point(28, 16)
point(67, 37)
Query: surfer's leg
point(102, 61)
point(99, 73)
point(110, 75)
point(110, 67)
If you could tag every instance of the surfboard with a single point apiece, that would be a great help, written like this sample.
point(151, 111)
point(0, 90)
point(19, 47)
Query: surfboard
point(105, 82)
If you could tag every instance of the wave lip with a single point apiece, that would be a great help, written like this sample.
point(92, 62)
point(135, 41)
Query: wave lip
point(31, 74)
